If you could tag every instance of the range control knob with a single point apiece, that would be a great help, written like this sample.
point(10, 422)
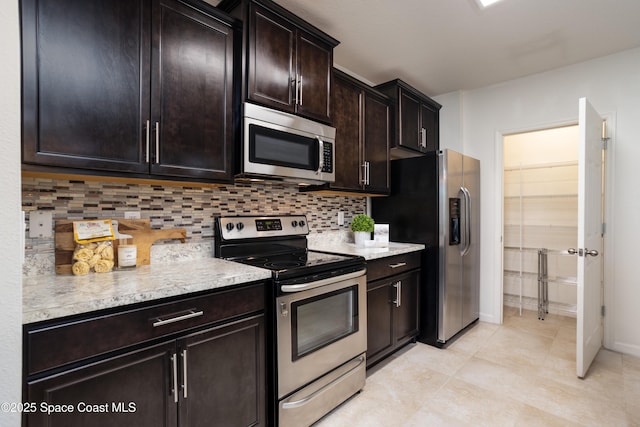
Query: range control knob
point(294, 223)
point(301, 223)
point(239, 226)
point(229, 226)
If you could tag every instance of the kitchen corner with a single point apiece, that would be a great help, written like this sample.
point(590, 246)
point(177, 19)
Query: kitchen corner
point(320, 242)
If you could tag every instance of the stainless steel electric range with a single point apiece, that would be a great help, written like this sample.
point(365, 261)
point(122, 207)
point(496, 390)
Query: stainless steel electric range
point(318, 312)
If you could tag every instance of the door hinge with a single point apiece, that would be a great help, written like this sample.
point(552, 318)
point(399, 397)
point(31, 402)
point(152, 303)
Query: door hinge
point(602, 310)
point(604, 137)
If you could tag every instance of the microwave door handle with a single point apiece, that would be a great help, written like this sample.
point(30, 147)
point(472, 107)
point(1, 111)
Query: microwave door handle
point(320, 154)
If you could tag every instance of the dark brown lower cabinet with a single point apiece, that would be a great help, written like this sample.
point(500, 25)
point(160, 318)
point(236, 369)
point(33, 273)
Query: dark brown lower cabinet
point(225, 376)
point(379, 320)
point(209, 378)
point(133, 389)
point(392, 305)
point(210, 375)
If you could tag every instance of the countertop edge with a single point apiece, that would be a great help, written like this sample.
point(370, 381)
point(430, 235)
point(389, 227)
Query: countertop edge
point(53, 297)
point(369, 253)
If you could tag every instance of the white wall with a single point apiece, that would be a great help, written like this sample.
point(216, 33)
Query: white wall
point(612, 84)
point(451, 127)
point(10, 223)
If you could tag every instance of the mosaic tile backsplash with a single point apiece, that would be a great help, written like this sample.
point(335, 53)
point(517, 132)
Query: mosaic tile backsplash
point(192, 208)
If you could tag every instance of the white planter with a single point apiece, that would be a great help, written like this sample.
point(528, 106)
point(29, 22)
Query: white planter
point(360, 237)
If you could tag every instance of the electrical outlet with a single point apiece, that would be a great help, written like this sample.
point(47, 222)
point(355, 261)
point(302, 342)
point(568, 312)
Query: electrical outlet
point(340, 218)
point(132, 215)
point(40, 224)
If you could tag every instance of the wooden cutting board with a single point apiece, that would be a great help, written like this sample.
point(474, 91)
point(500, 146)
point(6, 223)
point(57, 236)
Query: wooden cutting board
point(143, 237)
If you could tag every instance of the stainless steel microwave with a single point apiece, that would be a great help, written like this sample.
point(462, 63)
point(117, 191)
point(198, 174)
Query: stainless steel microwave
point(287, 147)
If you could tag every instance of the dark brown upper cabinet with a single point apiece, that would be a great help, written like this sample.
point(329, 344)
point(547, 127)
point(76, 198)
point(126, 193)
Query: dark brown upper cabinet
point(287, 61)
point(136, 87)
point(417, 118)
point(362, 122)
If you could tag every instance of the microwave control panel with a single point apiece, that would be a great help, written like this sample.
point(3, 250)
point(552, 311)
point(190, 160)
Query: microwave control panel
point(327, 152)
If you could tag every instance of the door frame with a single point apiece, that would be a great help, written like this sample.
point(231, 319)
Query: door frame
point(607, 244)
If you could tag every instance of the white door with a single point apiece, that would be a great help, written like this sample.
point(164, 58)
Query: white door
point(589, 317)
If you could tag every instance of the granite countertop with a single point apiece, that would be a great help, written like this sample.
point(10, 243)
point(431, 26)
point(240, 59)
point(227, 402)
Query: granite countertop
point(48, 297)
point(368, 253)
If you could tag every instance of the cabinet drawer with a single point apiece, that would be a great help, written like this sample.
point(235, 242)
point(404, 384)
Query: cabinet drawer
point(384, 267)
point(56, 344)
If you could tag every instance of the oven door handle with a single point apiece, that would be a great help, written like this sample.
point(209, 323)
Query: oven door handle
point(318, 283)
point(300, 402)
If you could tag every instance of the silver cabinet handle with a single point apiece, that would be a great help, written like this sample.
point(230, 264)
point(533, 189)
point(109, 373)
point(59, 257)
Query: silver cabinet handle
point(157, 142)
point(294, 83)
point(398, 287)
point(423, 138)
point(148, 137)
point(591, 252)
point(192, 313)
point(184, 373)
point(399, 264)
point(300, 85)
point(368, 172)
point(395, 300)
point(572, 251)
point(174, 360)
point(365, 177)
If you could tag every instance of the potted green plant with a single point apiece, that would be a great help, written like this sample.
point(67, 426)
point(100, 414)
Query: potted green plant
point(362, 227)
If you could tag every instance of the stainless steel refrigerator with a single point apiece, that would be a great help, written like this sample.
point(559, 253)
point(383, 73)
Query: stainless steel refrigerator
point(435, 200)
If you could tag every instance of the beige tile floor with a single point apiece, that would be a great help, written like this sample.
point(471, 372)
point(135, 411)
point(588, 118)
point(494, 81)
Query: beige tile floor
point(521, 373)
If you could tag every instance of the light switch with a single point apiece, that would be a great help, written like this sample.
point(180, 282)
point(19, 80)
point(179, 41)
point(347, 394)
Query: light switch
point(40, 224)
point(340, 218)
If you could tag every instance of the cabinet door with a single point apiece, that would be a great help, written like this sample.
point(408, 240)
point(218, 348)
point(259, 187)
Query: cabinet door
point(406, 314)
point(347, 107)
point(85, 83)
point(271, 56)
point(376, 143)
point(380, 339)
point(134, 389)
point(223, 370)
point(192, 93)
point(314, 77)
point(430, 124)
point(409, 121)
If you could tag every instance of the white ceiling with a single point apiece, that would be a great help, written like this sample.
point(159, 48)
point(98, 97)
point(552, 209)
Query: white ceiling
point(439, 46)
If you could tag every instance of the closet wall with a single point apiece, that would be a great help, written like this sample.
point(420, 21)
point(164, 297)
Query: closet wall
point(540, 211)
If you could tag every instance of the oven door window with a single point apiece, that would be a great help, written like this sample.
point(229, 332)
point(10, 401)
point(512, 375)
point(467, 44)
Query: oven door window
point(274, 147)
point(322, 320)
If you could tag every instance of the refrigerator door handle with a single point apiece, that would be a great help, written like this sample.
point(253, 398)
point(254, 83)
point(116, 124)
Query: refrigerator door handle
point(467, 221)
